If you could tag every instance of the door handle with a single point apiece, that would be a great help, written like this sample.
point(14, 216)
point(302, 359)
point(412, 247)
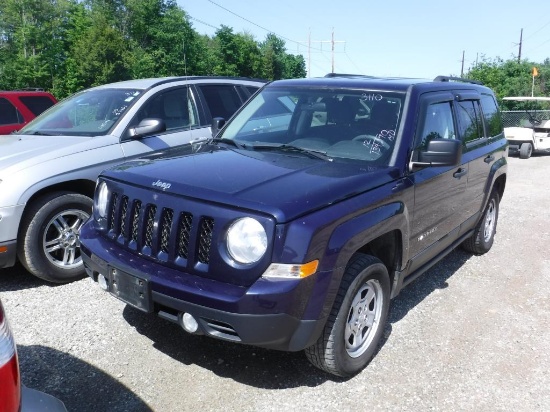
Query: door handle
point(489, 158)
point(398, 186)
point(460, 172)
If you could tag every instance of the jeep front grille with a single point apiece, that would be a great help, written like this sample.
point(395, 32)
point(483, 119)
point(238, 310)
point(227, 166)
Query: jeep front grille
point(184, 234)
point(205, 239)
point(159, 232)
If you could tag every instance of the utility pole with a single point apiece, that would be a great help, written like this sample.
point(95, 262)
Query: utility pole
point(332, 40)
point(462, 68)
point(520, 41)
point(332, 43)
point(309, 54)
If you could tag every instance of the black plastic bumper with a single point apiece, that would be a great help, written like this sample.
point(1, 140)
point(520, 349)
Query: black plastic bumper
point(8, 257)
point(280, 331)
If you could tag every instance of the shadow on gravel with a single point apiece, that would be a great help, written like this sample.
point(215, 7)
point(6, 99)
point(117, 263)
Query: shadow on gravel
point(249, 365)
point(433, 279)
point(17, 278)
point(270, 369)
point(81, 386)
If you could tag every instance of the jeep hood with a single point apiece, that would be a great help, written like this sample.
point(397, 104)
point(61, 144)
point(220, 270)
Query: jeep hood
point(18, 152)
point(282, 185)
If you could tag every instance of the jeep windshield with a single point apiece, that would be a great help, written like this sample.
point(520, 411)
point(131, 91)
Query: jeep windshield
point(340, 124)
point(89, 113)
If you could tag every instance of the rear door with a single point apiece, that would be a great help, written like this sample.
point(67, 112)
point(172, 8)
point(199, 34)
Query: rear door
point(477, 136)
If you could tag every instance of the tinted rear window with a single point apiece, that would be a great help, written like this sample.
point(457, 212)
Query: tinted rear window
point(37, 104)
point(492, 115)
point(8, 113)
point(222, 100)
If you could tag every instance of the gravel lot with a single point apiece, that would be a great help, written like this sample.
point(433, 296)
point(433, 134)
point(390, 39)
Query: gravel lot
point(472, 334)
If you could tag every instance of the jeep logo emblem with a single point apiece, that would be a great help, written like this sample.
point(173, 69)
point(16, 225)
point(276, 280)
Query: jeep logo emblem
point(162, 185)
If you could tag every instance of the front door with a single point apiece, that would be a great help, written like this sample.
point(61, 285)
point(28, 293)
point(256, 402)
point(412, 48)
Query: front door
point(439, 191)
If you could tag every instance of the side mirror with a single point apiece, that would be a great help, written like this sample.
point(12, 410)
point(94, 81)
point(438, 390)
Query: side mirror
point(217, 124)
point(146, 127)
point(440, 152)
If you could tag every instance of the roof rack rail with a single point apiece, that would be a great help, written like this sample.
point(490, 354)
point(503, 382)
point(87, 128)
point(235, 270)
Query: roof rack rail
point(30, 89)
point(456, 79)
point(350, 75)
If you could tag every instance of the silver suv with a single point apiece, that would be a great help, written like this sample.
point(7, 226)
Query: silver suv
point(48, 170)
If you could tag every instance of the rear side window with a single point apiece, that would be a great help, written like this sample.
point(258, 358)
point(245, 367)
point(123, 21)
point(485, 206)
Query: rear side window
point(469, 116)
point(9, 113)
point(37, 104)
point(252, 89)
point(493, 120)
point(222, 100)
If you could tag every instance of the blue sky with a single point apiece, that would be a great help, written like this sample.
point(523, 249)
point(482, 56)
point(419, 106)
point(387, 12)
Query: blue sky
point(422, 38)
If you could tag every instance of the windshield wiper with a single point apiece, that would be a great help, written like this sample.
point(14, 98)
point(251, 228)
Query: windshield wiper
point(317, 154)
point(38, 133)
point(228, 141)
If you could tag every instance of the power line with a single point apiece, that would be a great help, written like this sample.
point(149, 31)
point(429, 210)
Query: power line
point(203, 22)
point(352, 62)
point(251, 22)
point(308, 44)
point(546, 24)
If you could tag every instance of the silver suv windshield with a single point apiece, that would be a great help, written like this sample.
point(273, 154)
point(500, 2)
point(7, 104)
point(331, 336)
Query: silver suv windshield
point(341, 124)
point(89, 113)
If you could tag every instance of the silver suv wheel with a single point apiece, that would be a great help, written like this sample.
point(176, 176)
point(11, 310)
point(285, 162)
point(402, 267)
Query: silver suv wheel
point(61, 243)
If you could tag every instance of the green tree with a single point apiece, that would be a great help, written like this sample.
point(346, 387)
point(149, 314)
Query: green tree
point(31, 46)
point(512, 78)
point(273, 57)
point(67, 45)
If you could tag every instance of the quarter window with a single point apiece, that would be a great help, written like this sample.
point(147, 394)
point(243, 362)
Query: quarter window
point(492, 116)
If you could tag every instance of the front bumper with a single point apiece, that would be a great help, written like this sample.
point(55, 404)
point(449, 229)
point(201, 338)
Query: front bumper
point(8, 253)
point(271, 314)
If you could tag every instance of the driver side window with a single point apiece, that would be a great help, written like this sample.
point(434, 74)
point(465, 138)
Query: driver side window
point(174, 106)
point(438, 123)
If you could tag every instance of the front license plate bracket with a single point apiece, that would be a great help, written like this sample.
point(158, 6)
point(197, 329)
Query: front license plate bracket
point(130, 289)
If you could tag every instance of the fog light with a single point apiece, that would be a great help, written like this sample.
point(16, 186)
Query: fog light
point(189, 323)
point(102, 281)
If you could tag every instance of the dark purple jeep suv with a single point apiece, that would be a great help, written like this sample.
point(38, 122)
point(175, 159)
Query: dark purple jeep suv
point(296, 224)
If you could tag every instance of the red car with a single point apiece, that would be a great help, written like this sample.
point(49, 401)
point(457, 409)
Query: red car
point(17, 108)
point(15, 397)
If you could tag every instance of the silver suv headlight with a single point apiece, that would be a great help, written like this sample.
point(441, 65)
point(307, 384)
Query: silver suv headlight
point(246, 240)
point(102, 200)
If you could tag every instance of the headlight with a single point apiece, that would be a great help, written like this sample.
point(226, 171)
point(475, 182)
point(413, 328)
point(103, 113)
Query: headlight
point(102, 198)
point(246, 240)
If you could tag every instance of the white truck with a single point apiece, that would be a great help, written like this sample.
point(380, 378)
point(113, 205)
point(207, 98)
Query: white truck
point(532, 135)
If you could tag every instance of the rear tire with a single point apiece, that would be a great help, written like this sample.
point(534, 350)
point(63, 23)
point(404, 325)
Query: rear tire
point(484, 233)
point(525, 150)
point(49, 245)
point(356, 323)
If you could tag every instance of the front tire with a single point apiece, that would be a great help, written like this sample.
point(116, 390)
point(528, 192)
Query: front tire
point(356, 323)
point(49, 244)
point(484, 233)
